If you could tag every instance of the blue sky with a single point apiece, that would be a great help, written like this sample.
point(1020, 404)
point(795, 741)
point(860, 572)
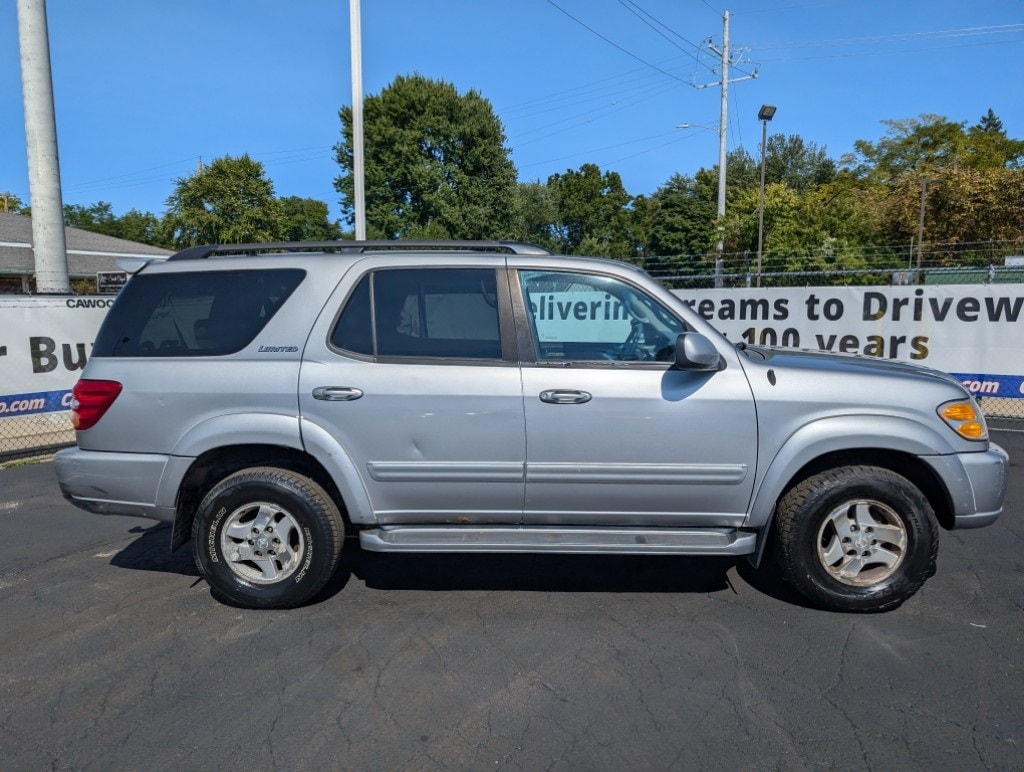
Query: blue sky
point(143, 89)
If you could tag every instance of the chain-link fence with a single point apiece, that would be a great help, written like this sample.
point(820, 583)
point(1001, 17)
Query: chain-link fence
point(33, 435)
point(989, 262)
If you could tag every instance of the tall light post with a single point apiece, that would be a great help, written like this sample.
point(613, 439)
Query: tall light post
point(765, 114)
point(358, 163)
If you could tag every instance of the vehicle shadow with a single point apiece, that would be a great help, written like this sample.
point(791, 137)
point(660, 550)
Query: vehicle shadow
point(531, 572)
point(152, 552)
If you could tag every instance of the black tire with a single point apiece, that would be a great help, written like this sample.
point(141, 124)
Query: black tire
point(267, 538)
point(856, 538)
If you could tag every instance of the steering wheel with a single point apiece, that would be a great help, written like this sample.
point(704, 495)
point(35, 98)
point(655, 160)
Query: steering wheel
point(632, 350)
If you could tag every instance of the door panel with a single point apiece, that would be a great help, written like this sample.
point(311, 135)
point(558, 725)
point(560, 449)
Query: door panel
point(615, 434)
point(433, 443)
point(658, 447)
point(417, 380)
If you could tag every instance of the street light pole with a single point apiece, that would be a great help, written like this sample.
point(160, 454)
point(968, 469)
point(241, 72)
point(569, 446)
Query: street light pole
point(765, 114)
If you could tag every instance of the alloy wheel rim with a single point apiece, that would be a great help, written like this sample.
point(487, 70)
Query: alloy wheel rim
point(262, 543)
point(862, 542)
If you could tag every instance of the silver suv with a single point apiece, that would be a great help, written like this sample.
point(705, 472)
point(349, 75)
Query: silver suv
point(491, 397)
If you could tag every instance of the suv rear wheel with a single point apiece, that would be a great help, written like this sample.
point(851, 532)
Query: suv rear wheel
point(856, 538)
point(267, 538)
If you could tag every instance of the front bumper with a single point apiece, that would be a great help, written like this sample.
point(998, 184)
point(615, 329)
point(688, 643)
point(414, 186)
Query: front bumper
point(976, 483)
point(139, 484)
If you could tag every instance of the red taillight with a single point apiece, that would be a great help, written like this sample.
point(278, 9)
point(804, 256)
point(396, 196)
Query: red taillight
point(90, 400)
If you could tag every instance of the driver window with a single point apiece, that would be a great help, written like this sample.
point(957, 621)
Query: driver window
point(584, 317)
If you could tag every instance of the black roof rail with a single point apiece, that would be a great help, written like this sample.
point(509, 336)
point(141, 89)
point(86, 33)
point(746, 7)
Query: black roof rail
point(205, 250)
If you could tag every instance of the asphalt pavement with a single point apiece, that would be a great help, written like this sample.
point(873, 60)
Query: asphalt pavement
point(114, 655)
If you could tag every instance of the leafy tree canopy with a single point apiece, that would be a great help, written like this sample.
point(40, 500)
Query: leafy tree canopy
point(932, 142)
point(306, 219)
point(11, 203)
point(684, 217)
point(436, 164)
point(798, 164)
point(96, 218)
point(229, 201)
point(592, 208)
point(536, 215)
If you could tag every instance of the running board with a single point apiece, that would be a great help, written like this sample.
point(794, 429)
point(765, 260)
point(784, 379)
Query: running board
point(503, 538)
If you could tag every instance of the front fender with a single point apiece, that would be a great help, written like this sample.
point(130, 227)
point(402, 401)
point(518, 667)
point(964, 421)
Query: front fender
point(836, 434)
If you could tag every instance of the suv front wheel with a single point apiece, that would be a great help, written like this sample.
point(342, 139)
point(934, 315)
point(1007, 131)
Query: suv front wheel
point(856, 538)
point(267, 538)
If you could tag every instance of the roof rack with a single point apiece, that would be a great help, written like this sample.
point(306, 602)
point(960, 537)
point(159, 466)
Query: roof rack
point(203, 251)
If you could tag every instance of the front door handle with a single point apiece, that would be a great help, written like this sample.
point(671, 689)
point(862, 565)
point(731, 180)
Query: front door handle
point(337, 393)
point(565, 397)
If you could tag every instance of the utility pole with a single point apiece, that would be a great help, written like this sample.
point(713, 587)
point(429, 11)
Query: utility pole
point(920, 222)
point(358, 172)
point(48, 245)
point(725, 56)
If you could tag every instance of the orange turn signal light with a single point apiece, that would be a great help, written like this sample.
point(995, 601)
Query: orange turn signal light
point(964, 419)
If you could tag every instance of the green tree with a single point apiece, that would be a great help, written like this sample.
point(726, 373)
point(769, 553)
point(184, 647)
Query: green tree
point(990, 123)
point(684, 220)
point(988, 147)
point(909, 144)
point(800, 165)
point(230, 201)
point(11, 203)
point(593, 214)
point(95, 218)
point(932, 142)
point(143, 227)
point(306, 219)
point(436, 164)
point(742, 172)
point(962, 206)
point(536, 214)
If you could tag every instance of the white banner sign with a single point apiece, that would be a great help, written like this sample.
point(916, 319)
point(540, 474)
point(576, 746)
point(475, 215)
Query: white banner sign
point(975, 332)
point(44, 344)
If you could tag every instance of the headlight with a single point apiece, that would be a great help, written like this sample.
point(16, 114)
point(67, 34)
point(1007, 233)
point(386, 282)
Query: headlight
point(965, 419)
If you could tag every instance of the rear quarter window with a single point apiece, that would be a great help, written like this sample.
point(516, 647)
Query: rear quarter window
point(208, 313)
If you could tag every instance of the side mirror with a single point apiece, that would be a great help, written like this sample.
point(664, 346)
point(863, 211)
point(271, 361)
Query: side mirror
point(696, 352)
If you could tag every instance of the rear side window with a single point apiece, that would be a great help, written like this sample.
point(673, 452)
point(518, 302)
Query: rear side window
point(449, 313)
point(193, 314)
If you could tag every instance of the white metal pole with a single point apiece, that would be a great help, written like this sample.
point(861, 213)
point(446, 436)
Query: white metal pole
point(722, 127)
point(358, 172)
point(48, 245)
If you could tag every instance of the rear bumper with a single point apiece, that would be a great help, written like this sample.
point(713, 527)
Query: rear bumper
point(136, 484)
point(977, 484)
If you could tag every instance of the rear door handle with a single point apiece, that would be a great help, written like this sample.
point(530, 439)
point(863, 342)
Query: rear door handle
point(565, 397)
point(337, 393)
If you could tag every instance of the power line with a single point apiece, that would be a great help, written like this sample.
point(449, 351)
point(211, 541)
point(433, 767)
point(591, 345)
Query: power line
point(893, 52)
point(614, 44)
point(639, 12)
point(897, 37)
